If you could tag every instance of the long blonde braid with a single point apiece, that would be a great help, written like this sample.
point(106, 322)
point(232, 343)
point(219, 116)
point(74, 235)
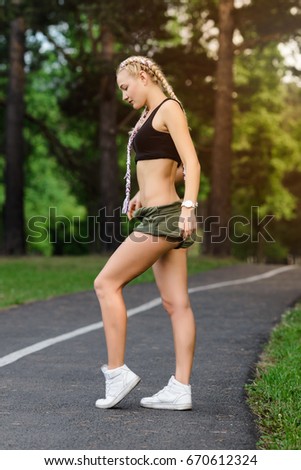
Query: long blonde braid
point(134, 65)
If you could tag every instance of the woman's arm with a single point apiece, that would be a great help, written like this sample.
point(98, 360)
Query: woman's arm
point(177, 126)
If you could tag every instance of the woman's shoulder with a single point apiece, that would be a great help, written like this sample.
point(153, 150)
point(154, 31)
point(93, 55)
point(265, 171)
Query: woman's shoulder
point(171, 103)
point(172, 108)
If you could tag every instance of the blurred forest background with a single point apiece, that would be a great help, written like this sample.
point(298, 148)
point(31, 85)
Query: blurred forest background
point(234, 65)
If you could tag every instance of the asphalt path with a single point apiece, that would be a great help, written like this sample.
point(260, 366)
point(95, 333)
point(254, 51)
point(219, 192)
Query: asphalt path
point(48, 393)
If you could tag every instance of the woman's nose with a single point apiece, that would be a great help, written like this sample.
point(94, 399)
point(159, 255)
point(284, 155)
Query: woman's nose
point(125, 96)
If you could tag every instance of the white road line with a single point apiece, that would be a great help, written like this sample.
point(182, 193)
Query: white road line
point(245, 280)
point(16, 355)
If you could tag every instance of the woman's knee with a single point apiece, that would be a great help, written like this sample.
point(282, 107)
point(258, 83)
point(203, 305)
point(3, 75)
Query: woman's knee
point(99, 285)
point(103, 286)
point(175, 305)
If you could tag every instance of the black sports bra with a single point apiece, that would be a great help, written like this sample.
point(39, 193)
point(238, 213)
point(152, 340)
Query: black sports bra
point(150, 144)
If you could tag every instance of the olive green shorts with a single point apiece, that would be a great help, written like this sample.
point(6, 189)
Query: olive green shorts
point(162, 221)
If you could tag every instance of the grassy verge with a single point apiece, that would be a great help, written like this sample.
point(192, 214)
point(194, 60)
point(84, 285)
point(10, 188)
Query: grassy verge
point(275, 394)
point(28, 279)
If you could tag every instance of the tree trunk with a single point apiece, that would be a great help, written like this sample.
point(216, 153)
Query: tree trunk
point(109, 216)
point(217, 240)
point(14, 234)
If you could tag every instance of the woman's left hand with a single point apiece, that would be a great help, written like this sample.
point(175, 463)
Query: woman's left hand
point(134, 204)
point(187, 222)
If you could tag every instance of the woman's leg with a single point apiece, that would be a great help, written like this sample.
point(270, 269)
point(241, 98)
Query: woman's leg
point(136, 254)
point(171, 277)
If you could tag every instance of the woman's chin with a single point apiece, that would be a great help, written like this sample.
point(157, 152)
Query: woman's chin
point(137, 106)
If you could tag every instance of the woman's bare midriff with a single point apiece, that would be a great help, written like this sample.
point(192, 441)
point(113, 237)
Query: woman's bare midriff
point(156, 180)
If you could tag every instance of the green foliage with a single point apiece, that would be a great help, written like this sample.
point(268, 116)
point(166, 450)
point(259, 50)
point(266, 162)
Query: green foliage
point(270, 20)
point(265, 150)
point(47, 192)
point(65, 66)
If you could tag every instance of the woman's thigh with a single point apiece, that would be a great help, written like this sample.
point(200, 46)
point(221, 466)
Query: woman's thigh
point(134, 256)
point(170, 272)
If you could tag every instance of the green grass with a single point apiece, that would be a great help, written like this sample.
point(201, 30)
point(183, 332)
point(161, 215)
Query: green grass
point(275, 394)
point(28, 279)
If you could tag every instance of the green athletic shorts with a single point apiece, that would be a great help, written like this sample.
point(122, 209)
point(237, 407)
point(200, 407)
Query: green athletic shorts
point(162, 221)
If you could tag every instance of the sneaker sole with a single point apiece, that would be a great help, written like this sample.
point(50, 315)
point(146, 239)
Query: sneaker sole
point(167, 406)
point(121, 395)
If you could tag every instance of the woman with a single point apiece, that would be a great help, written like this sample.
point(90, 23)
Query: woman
point(163, 146)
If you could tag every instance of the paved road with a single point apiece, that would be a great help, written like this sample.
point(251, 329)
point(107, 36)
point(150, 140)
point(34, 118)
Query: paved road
point(47, 397)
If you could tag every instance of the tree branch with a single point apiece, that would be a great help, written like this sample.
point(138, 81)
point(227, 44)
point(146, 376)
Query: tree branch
point(61, 50)
point(65, 156)
point(262, 40)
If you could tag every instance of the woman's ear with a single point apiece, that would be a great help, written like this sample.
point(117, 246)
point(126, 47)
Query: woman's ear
point(143, 76)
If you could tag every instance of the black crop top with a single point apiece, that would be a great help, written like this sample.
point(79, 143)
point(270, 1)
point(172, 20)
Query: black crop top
point(150, 144)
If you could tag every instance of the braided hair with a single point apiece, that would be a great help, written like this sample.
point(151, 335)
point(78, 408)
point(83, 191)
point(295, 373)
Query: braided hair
point(134, 65)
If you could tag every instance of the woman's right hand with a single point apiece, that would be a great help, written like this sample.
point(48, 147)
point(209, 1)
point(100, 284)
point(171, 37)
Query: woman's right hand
point(135, 204)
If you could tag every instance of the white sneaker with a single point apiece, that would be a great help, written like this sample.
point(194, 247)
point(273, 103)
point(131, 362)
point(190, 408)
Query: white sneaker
point(175, 396)
point(119, 382)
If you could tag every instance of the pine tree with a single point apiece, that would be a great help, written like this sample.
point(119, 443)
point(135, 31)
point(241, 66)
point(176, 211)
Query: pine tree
point(14, 239)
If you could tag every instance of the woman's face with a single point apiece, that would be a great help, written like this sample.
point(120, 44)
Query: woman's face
point(133, 88)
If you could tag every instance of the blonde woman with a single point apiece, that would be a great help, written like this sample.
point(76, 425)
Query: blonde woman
point(163, 147)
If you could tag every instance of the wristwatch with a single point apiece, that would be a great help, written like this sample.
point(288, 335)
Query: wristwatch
point(189, 204)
